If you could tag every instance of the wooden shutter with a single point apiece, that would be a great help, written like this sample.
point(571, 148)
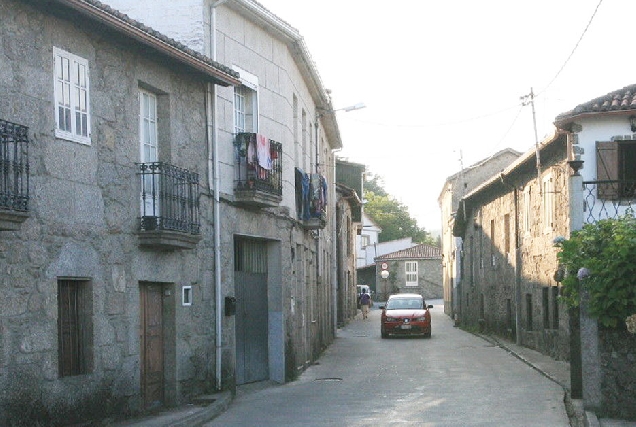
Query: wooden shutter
point(607, 169)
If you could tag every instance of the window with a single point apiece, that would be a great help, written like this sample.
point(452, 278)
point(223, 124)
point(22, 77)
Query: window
point(545, 294)
point(507, 233)
point(72, 112)
point(548, 203)
point(74, 327)
point(149, 147)
point(615, 165)
point(493, 254)
point(471, 266)
point(529, 319)
point(411, 273)
point(555, 307)
point(246, 103)
point(527, 209)
point(365, 240)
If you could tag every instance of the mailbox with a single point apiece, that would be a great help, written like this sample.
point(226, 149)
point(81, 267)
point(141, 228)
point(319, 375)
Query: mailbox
point(230, 306)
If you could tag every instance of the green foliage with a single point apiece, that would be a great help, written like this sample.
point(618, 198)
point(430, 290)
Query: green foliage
point(607, 251)
point(390, 215)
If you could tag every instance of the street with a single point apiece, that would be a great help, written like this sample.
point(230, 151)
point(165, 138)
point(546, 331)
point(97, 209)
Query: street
point(451, 379)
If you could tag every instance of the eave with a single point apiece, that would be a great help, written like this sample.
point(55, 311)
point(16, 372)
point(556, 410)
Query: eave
point(123, 25)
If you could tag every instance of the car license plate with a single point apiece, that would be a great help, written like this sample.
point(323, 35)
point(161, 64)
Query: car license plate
point(405, 326)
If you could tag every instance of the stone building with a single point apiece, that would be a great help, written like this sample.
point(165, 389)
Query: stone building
point(455, 187)
point(105, 258)
point(507, 225)
point(169, 222)
point(283, 217)
point(417, 269)
point(346, 227)
point(349, 191)
point(581, 174)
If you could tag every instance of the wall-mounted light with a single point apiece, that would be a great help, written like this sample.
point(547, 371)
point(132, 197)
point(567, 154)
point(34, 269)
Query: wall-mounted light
point(632, 123)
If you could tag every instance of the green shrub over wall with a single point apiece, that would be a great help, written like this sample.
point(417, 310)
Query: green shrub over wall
point(601, 259)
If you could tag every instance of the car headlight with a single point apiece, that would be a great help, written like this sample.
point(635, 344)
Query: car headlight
point(420, 319)
point(392, 319)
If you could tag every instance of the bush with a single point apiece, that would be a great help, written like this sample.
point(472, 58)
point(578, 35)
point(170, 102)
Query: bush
point(601, 259)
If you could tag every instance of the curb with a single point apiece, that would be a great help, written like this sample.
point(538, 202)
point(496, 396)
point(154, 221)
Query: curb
point(221, 403)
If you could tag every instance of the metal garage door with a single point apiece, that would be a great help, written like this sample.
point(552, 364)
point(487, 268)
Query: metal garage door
point(250, 275)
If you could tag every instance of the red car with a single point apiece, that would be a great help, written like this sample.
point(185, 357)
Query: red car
point(406, 314)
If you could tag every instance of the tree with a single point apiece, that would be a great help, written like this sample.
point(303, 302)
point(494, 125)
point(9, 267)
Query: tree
point(390, 215)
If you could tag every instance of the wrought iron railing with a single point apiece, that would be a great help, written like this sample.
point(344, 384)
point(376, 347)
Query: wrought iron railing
point(257, 170)
point(14, 166)
point(169, 198)
point(608, 199)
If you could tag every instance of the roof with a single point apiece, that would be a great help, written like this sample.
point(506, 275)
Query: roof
point(526, 162)
point(120, 23)
point(422, 251)
point(619, 101)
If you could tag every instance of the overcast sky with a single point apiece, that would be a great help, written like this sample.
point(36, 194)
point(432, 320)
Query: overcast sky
point(442, 79)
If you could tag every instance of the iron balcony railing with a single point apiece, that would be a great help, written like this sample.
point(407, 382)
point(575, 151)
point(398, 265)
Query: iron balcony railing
point(14, 167)
point(258, 170)
point(169, 198)
point(608, 199)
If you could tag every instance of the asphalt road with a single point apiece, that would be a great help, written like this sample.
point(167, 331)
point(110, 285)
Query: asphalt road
point(452, 379)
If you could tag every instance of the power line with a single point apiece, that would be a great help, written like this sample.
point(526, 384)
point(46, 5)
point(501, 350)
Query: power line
point(573, 50)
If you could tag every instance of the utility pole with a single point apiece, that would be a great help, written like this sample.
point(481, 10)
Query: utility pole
point(525, 100)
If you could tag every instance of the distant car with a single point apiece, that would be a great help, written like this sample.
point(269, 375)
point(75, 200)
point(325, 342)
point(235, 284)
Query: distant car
point(406, 314)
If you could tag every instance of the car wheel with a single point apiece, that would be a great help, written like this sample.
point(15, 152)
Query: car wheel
point(427, 335)
point(384, 334)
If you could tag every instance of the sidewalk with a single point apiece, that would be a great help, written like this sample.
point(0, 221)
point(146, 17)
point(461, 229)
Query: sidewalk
point(559, 372)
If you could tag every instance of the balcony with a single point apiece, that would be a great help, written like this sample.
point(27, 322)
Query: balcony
point(311, 200)
point(608, 199)
point(169, 207)
point(14, 175)
point(258, 180)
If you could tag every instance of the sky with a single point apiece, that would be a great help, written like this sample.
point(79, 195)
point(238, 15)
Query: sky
point(442, 80)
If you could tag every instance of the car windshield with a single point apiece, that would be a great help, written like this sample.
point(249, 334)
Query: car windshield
point(404, 304)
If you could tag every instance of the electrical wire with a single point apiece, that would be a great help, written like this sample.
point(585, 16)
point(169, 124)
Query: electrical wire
point(573, 50)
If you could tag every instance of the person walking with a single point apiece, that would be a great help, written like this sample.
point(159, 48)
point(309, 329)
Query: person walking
point(365, 303)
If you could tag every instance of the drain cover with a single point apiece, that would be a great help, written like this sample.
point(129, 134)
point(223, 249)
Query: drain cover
point(328, 379)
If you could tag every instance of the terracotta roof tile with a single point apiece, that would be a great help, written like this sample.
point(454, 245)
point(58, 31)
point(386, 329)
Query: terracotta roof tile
point(619, 100)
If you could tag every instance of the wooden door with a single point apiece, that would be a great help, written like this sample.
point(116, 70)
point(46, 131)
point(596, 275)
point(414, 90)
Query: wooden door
point(152, 349)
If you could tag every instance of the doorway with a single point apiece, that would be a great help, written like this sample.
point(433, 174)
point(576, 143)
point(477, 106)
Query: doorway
point(252, 325)
point(152, 344)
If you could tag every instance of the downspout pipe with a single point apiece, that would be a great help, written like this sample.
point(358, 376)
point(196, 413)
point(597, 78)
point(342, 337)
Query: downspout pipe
point(334, 238)
point(214, 182)
point(518, 260)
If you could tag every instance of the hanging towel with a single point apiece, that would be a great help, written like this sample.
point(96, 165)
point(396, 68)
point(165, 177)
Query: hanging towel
point(263, 152)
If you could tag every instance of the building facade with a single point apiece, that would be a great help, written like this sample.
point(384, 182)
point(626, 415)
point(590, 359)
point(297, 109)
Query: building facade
point(106, 307)
point(417, 269)
point(508, 225)
point(456, 187)
point(174, 229)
